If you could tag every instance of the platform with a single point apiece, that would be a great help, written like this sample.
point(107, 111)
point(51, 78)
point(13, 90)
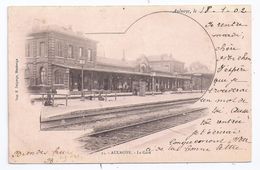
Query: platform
point(77, 104)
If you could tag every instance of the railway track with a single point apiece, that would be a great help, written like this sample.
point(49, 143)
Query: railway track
point(105, 139)
point(81, 117)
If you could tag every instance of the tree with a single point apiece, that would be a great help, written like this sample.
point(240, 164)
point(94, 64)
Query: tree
point(197, 67)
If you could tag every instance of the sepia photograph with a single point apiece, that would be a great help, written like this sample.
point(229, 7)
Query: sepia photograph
point(81, 86)
point(129, 84)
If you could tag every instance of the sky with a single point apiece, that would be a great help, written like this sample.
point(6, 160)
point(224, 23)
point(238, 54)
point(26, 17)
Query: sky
point(161, 33)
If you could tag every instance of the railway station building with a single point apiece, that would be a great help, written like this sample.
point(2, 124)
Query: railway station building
point(62, 59)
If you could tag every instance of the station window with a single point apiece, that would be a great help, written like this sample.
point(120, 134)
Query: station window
point(80, 52)
point(42, 49)
point(59, 49)
point(142, 68)
point(42, 75)
point(70, 51)
point(90, 55)
point(59, 77)
point(28, 50)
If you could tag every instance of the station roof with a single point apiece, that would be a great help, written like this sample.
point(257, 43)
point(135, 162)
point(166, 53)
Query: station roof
point(120, 71)
point(198, 74)
point(162, 57)
point(115, 62)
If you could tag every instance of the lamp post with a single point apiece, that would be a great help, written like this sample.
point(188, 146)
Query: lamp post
point(68, 78)
point(153, 75)
point(82, 62)
point(177, 82)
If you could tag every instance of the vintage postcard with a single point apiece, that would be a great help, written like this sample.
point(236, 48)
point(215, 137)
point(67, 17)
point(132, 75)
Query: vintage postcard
point(129, 84)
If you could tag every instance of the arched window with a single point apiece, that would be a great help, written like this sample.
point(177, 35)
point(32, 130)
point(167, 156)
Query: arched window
point(142, 68)
point(42, 75)
point(59, 77)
